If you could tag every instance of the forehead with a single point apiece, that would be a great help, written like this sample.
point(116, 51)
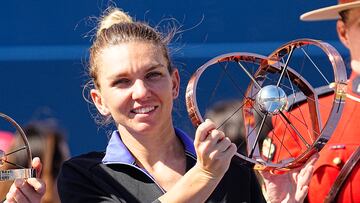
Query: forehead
point(130, 55)
point(130, 49)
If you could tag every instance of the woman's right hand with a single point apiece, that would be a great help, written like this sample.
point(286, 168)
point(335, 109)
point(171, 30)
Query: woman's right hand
point(214, 150)
point(27, 191)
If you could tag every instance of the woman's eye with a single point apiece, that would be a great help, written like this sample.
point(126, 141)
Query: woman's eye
point(153, 75)
point(122, 81)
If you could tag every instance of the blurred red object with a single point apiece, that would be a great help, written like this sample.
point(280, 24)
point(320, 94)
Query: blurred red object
point(6, 139)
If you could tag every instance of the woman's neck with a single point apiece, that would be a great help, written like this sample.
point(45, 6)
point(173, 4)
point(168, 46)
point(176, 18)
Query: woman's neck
point(160, 153)
point(151, 147)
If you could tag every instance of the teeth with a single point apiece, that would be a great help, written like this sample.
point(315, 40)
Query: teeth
point(144, 110)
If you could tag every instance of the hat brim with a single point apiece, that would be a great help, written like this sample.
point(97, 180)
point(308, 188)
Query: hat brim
point(328, 13)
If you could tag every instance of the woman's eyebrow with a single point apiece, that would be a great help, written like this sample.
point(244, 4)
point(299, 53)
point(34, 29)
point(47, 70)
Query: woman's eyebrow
point(125, 74)
point(154, 66)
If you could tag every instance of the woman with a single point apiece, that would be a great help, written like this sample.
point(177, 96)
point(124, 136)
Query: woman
point(147, 159)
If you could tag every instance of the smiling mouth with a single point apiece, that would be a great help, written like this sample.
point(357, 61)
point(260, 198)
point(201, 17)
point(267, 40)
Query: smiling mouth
point(144, 110)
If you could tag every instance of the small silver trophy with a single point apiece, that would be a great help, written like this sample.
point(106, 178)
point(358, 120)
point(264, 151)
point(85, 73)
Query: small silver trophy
point(16, 170)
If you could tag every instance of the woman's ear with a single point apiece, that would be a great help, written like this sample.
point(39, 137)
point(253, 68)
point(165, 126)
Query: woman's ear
point(175, 83)
point(99, 102)
point(342, 33)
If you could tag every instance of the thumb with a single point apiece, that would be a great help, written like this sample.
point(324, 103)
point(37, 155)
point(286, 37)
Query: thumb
point(37, 165)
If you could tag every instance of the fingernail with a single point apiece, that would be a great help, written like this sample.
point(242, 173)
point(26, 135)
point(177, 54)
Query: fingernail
point(35, 159)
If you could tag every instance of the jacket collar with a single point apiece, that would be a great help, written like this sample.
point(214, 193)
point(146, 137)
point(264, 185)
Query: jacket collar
point(118, 153)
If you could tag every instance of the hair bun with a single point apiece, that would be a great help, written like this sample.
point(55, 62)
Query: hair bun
point(111, 17)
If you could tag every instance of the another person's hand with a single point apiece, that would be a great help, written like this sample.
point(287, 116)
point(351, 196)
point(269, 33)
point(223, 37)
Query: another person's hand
point(292, 186)
point(30, 190)
point(214, 150)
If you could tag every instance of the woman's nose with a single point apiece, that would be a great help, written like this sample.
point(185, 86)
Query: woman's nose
point(140, 90)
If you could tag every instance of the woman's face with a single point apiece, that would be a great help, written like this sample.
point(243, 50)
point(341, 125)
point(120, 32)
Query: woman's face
point(136, 88)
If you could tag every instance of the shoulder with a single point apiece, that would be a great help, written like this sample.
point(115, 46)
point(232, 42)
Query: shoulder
point(91, 158)
point(81, 174)
point(83, 179)
point(327, 168)
point(335, 154)
point(82, 163)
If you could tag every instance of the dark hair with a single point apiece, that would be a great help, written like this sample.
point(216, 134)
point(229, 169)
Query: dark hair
point(344, 16)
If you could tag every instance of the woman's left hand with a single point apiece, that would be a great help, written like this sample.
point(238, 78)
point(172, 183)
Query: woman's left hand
point(27, 190)
point(292, 186)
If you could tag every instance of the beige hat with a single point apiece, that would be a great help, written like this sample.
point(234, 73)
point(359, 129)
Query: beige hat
point(331, 12)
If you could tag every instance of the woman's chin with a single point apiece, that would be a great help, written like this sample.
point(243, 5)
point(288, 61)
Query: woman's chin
point(143, 127)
